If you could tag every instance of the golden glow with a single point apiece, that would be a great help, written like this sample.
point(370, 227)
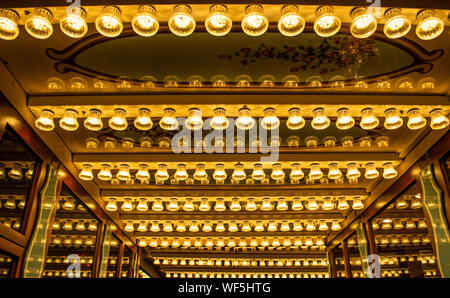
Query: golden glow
point(105, 173)
point(69, 121)
point(124, 172)
point(112, 204)
point(415, 119)
point(94, 121)
point(270, 120)
point(429, 26)
point(277, 172)
point(334, 172)
point(296, 172)
point(320, 120)
point(142, 205)
point(39, 23)
point(181, 174)
point(353, 171)
point(291, 22)
point(74, 23)
point(344, 121)
point(45, 121)
point(157, 205)
point(363, 23)
point(182, 23)
point(169, 120)
point(204, 205)
point(315, 172)
point(254, 23)
point(9, 29)
point(357, 204)
point(86, 173)
point(238, 173)
point(368, 119)
point(109, 23)
point(371, 171)
point(389, 171)
point(393, 119)
point(342, 204)
point(396, 24)
point(119, 120)
point(438, 119)
point(143, 120)
point(162, 174)
point(188, 205)
point(295, 120)
point(145, 22)
point(200, 173)
point(258, 172)
point(219, 173)
point(142, 174)
point(327, 23)
point(245, 121)
point(219, 121)
point(218, 23)
point(251, 206)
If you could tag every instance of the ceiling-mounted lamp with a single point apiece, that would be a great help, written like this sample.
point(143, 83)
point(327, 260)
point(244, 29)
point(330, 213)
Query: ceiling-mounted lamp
point(291, 23)
point(108, 23)
point(218, 23)
point(94, 121)
point(397, 25)
point(430, 26)
point(182, 23)
point(74, 24)
point(9, 29)
point(143, 120)
point(254, 23)
point(363, 23)
point(39, 24)
point(45, 121)
point(145, 22)
point(326, 23)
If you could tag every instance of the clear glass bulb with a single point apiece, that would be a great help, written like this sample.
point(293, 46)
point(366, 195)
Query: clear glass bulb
point(334, 172)
point(181, 173)
point(69, 121)
point(182, 23)
point(157, 205)
point(344, 120)
point(438, 119)
point(9, 29)
point(145, 22)
point(45, 121)
point(363, 24)
point(277, 172)
point(393, 119)
point(161, 173)
point(296, 172)
point(429, 26)
point(235, 205)
point(129, 227)
point(291, 23)
point(353, 171)
point(251, 205)
point(39, 24)
point(266, 204)
point(239, 173)
point(371, 171)
point(142, 205)
point(326, 23)
point(312, 204)
point(142, 173)
point(218, 23)
point(245, 121)
point(282, 204)
point(108, 23)
point(173, 205)
point(169, 120)
point(119, 120)
point(204, 205)
point(200, 173)
point(315, 172)
point(220, 205)
point(389, 171)
point(94, 121)
point(112, 204)
point(295, 120)
point(127, 205)
point(86, 173)
point(188, 205)
point(254, 23)
point(342, 204)
point(327, 204)
point(219, 121)
point(297, 204)
point(74, 24)
point(105, 173)
point(143, 120)
point(194, 121)
point(368, 119)
point(357, 203)
point(270, 120)
point(258, 172)
point(124, 172)
point(320, 121)
point(397, 25)
point(415, 119)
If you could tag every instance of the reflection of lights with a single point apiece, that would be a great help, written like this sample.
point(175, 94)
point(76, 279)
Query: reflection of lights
point(415, 119)
point(182, 23)
point(9, 29)
point(396, 24)
point(108, 23)
point(39, 23)
point(363, 23)
point(145, 22)
point(326, 23)
point(74, 23)
point(218, 23)
point(290, 23)
point(254, 23)
point(429, 26)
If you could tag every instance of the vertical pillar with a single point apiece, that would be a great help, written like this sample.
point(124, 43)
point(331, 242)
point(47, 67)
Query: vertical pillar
point(348, 271)
point(331, 264)
point(104, 251)
point(363, 246)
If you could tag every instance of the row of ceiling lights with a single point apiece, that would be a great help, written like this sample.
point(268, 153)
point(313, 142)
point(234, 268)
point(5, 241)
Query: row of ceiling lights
point(234, 226)
point(218, 23)
point(232, 242)
point(80, 225)
point(188, 274)
point(72, 241)
point(194, 121)
point(241, 262)
point(17, 171)
point(296, 172)
point(265, 204)
point(398, 224)
point(405, 240)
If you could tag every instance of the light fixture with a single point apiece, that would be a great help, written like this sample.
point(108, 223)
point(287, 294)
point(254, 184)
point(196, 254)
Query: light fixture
point(194, 120)
point(39, 24)
point(363, 23)
point(291, 23)
point(188, 205)
point(173, 205)
point(368, 120)
point(145, 22)
point(277, 172)
point(157, 205)
point(105, 172)
point(220, 205)
point(181, 173)
point(108, 23)
point(295, 120)
point(254, 23)
point(353, 171)
point(219, 121)
point(143, 120)
point(69, 121)
point(438, 119)
point(74, 24)
point(142, 174)
point(218, 23)
point(270, 120)
point(86, 173)
point(182, 23)
point(258, 172)
point(245, 121)
point(334, 172)
point(429, 26)
point(357, 203)
point(200, 172)
point(235, 205)
point(142, 205)
point(312, 204)
point(371, 171)
point(296, 172)
point(326, 23)
point(129, 227)
point(282, 204)
point(45, 121)
point(167, 227)
point(397, 25)
point(342, 204)
point(239, 173)
point(94, 121)
point(266, 205)
point(112, 204)
point(320, 121)
point(415, 119)
point(124, 172)
point(315, 172)
point(16, 171)
point(9, 29)
point(251, 205)
point(127, 205)
point(344, 120)
point(393, 119)
point(389, 171)
point(119, 120)
point(169, 120)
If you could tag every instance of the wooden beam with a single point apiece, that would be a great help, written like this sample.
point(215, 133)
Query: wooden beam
point(348, 271)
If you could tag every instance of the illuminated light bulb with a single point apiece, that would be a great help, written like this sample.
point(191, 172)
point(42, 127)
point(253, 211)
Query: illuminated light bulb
point(282, 204)
point(239, 173)
point(415, 119)
point(416, 203)
point(357, 203)
point(251, 205)
point(315, 172)
point(295, 120)
point(389, 171)
point(39, 23)
point(312, 204)
point(344, 120)
point(342, 204)
point(182, 23)
point(9, 29)
point(246, 227)
point(438, 119)
point(291, 23)
point(422, 224)
point(218, 23)
point(320, 120)
point(157, 205)
point(204, 205)
point(232, 226)
point(398, 225)
point(193, 226)
point(352, 171)
point(371, 171)
point(194, 120)
point(285, 227)
point(143, 120)
point(74, 24)
point(142, 173)
point(105, 173)
point(286, 243)
point(119, 120)
point(323, 226)
point(45, 121)
point(145, 22)
point(10, 203)
point(231, 243)
point(347, 141)
point(297, 204)
point(296, 172)
point(167, 227)
point(169, 120)
point(181, 173)
point(245, 121)
point(124, 172)
point(16, 172)
point(266, 205)
point(112, 204)
point(259, 226)
point(108, 23)
point(429, 26)
point(270, 120)
point(142, 205)
point(326, 23)
point(127, 205)
point(272, 226)
point(86, 173)
point(334, 172)
point(155, 227)
point(200, 173)
point(254, 23)
point(219, 121)
point(173, 205)
point(363, 24)
point(410, 224)
point(335, 226)
point(162, 174)
point(365, 142)
point(189, 206)
point(129, 227)
point(275, 242)
point(94, 121)
point(235, 205)
point(258, 172)
point(393, 119)
point(368, 120)
point(220, 205)
point(277, 172)
point(382, 141)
